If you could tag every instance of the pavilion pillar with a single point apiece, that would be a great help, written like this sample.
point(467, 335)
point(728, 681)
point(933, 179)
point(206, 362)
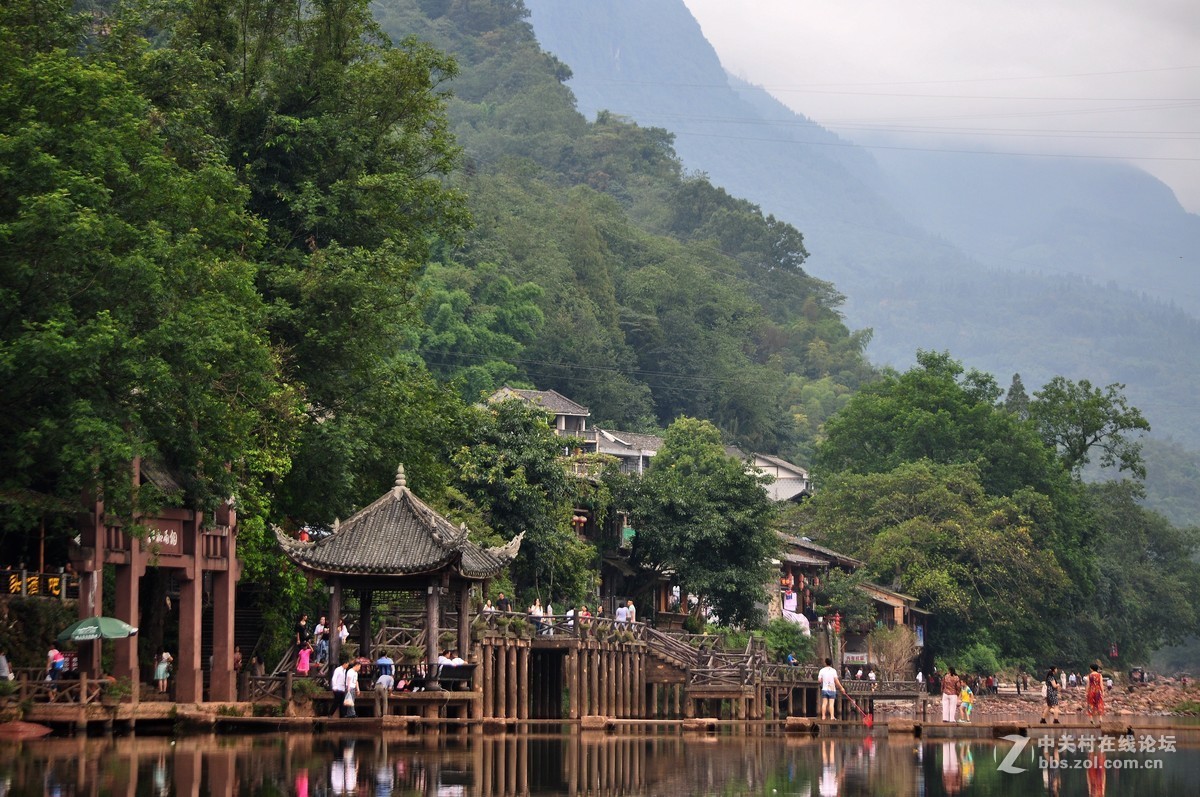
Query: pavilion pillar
point(432, 631)
point(189, 686)
point(221, 686)
point(335, 614)
point(464, 620)
point(366, 598)
point(128, 608)
point(89, 563)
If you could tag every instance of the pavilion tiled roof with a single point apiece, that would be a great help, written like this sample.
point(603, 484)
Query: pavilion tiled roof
point(398, 535)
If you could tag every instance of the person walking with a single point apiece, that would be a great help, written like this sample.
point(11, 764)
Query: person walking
point(630, 612)
point(1050, 686)
point(351, 689)
point(337, 684)
point(1095, 696)
point(951, 686)
point(831, 684)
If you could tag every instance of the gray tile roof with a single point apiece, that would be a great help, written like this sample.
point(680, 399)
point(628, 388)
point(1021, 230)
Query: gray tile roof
point(550, 400)
point(398, 535)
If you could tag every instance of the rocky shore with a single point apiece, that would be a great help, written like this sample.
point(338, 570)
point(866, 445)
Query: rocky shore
point(1165, 696)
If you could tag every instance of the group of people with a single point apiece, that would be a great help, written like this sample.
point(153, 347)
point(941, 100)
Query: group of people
point(1095, 683)
point(542, 616)
point(312, 648)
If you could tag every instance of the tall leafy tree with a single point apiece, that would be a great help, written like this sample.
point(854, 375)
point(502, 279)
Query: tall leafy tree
point(509, 464)
point(130, 322)
point(700, 515)
point(1148, 584)
point(933, 532)
point(1077, 419)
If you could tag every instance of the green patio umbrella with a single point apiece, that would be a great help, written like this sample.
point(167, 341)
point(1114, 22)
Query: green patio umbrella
point(90, 628)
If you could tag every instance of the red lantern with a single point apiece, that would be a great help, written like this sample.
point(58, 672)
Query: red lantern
point(837, 622)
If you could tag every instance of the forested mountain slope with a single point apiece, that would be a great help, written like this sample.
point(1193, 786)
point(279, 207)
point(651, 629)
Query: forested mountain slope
point(1088, 292)
point(657, 293)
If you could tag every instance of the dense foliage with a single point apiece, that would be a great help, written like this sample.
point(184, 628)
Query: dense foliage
point(970, 500)
point(701, 516)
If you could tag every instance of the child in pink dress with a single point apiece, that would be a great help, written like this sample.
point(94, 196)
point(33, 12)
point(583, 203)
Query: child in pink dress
point(303, 657)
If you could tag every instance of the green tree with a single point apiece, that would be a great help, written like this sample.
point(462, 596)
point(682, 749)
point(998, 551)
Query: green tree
point(699, 514)
point(1077, 418)
point(1148, 585)
point(940, 412)
point(477, 323)
point(509, 464)
point(130, 324)
point(932, 531)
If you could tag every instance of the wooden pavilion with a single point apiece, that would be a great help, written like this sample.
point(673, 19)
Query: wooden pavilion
point(400, 546)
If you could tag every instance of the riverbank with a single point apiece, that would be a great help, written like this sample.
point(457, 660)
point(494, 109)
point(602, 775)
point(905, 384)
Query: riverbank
point(1164, 697)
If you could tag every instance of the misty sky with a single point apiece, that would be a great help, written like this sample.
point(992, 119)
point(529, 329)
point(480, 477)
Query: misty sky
point(1104, 77)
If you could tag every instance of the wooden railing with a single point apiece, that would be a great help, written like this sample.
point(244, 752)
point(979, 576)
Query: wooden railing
point(32, 686)
point(562, 625)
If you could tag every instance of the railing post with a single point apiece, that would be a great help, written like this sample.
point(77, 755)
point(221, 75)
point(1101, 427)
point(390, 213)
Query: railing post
point(24, 588)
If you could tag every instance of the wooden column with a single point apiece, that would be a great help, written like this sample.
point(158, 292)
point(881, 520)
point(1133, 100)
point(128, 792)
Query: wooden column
point(335, 614)
point(594, 681)
point(432, 615)
point(222, 686)
point(464, 620)
point(610, 693)
point(514, 693)
point(523, 685)
point(485, 677)
point(627, 682)
point(583, 675)
point(128, 608)
point(573, 683)
point(501, 654)
point(189, 686)
point(366, 599)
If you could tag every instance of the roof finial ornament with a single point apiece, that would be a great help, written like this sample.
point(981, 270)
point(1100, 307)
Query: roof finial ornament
point(401, 482)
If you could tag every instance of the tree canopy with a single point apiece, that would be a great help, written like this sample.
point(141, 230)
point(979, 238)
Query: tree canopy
point(700, 515)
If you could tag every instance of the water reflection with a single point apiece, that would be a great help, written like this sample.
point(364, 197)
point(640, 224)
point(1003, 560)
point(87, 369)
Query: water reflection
point(575, 764)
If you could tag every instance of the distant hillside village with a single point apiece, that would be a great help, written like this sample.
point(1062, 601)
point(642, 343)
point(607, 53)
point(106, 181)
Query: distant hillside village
point(802, 563)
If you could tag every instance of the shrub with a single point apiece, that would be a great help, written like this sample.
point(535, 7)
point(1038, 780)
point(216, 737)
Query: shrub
point(783, 637)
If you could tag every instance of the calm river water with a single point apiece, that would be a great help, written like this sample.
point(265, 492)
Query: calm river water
point(586, 764)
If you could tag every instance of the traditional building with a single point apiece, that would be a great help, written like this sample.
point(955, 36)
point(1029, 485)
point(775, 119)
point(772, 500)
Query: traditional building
point(399, 551)
point(198, 549)
point(570, 419)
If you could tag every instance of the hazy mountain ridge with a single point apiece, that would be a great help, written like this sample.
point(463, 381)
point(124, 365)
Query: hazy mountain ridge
point(1110, 314)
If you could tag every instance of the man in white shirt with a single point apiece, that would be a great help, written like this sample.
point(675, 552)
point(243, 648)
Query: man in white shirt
point(338, 684)
point(831, 684)
point(622, 614)
point(631, 612)
point(352, 688)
